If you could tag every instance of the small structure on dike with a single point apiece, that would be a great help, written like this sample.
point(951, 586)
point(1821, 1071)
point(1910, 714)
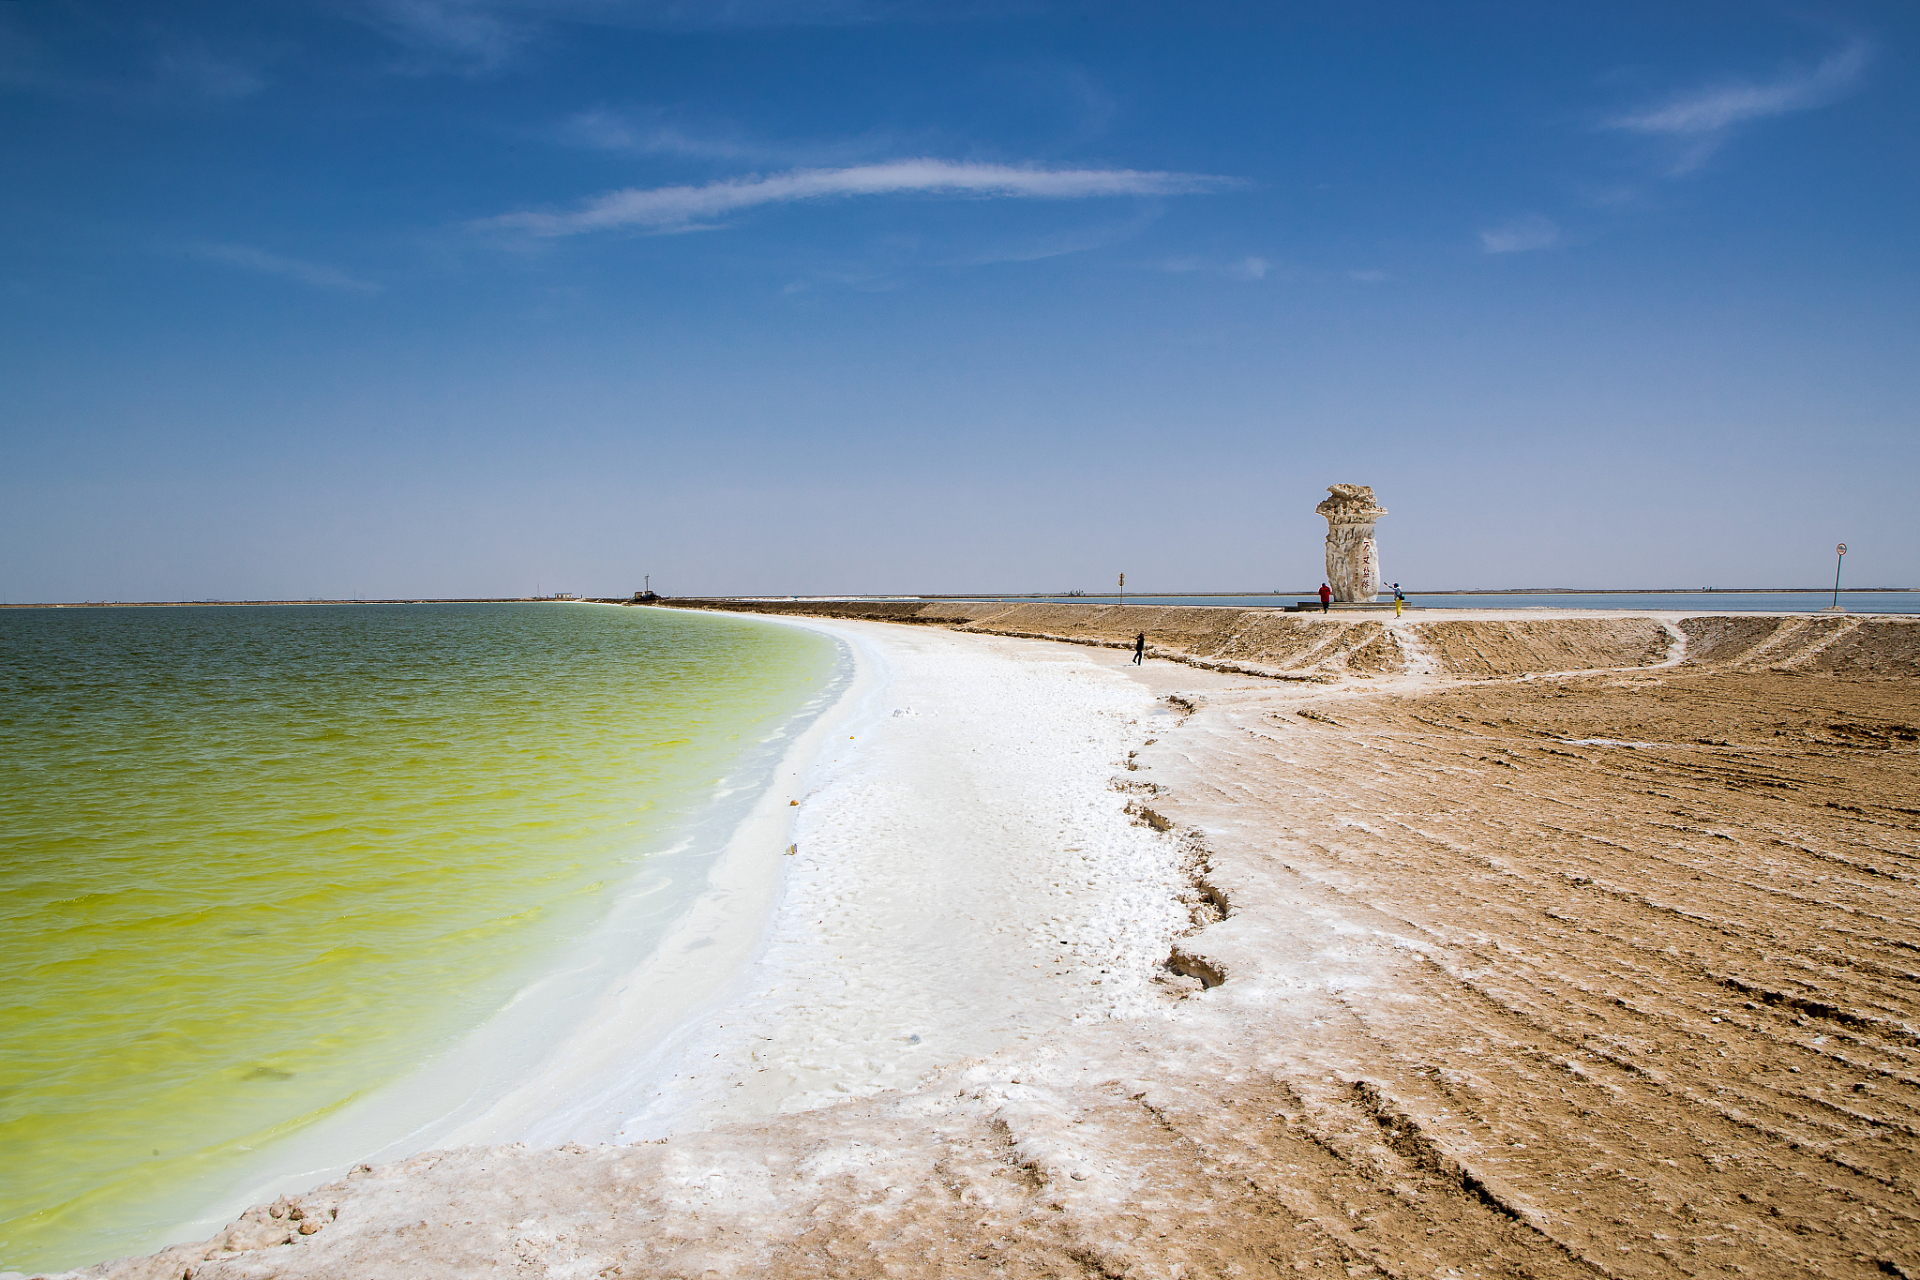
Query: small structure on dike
point(1353, 558)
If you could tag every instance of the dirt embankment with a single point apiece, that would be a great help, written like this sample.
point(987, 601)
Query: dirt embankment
point(1660, 999)
point(1328, 647)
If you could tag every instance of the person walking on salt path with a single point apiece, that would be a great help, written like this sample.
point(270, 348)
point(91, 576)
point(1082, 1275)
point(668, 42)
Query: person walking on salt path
point(1139, 648)
point(1326, 598)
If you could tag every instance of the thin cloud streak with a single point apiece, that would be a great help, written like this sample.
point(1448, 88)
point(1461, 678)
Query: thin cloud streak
point(470, 35)
point(648, 131)
point(1719, 108)
point(1250, 268)
point(484, 36)
point(611, 131)
point(319, 275)
point(1521, 235)
point(1702, 119)
point(692, 207)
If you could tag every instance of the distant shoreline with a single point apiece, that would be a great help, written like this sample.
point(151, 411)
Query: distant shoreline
point(980, 595)
point(228, 604)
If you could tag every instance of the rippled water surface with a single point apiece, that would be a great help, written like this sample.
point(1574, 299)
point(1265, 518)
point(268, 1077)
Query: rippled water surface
point(254, 862)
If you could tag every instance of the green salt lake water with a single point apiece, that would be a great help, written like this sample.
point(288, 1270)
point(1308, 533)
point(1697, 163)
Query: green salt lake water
point(256, 862)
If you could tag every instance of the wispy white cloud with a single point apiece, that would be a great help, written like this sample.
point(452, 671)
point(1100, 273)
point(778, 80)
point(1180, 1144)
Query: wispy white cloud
point(653, 131)
point(1520, 235)
point(683, 208)
point(645, 133)
point(1612, 196)
point(1702, 119)
point(472, 35)
point(478, 36)
point(1250, 267)
point(319, 275)
point(855, 279)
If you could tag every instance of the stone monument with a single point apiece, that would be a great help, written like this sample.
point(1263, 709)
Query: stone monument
point(1353, 559)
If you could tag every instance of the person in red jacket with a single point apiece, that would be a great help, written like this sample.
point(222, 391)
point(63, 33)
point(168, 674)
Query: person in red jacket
point(1326, 598)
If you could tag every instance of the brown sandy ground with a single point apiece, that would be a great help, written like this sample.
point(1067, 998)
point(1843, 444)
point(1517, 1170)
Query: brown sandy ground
point(1457, 642)
point(1487, 999)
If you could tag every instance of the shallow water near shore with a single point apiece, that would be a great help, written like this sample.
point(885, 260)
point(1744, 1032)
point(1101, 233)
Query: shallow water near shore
point(258, 862)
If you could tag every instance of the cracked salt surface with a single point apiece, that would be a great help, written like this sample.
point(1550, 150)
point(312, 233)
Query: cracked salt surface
point(942, 905)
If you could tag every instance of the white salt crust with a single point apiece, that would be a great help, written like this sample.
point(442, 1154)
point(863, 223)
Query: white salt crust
point(966, 877)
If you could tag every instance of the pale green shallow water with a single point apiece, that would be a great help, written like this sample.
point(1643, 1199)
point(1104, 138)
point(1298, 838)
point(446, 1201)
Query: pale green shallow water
point(255, 862)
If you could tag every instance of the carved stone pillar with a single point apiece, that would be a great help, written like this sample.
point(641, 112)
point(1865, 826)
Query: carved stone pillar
point(1353, 559)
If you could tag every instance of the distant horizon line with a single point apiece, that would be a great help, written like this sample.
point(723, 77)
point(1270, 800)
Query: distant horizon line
point(563, 598)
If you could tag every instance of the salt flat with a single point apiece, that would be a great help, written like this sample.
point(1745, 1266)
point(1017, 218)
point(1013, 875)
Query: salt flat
point(1601, 971)
point(965, 878)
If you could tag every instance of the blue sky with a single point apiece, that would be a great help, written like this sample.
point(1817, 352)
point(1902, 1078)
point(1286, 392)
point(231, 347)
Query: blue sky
point(382, 297)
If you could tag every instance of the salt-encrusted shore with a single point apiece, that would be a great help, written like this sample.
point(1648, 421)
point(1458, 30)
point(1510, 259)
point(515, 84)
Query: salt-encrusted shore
point(1547, 950)
point(964, 878)
point(940, 849)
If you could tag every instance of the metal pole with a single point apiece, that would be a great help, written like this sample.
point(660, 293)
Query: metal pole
point(1839, 558)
